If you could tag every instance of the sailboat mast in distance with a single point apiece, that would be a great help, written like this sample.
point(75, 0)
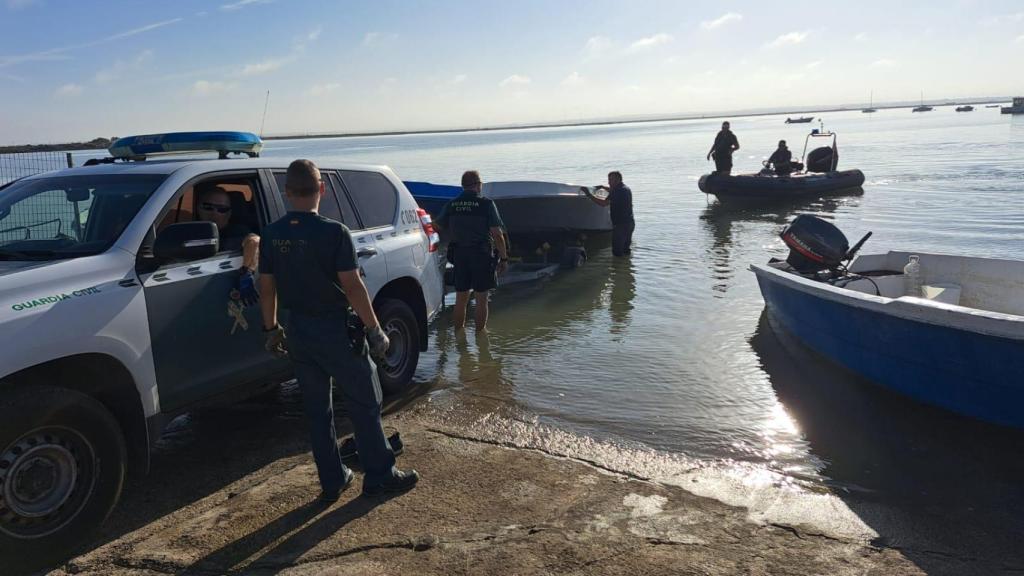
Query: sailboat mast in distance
point(871, 104)
point(264, 120)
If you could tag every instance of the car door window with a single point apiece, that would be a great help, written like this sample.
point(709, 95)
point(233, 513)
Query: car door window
point(374, 196)
point(242, 195)
point(347, 210)
point(329, 205)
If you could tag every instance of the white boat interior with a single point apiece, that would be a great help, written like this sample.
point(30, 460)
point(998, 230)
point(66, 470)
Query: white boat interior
point(987, 284)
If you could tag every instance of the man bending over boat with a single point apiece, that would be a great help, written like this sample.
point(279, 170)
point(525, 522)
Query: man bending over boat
point(475, 228)
point(725, 144)
point(620, 198)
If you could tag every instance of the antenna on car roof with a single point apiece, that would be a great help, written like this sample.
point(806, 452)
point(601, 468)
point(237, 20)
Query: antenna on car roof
point(264, 120)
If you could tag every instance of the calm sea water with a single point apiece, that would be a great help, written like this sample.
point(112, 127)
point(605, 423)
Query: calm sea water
point(668, 351)
point(656, 349)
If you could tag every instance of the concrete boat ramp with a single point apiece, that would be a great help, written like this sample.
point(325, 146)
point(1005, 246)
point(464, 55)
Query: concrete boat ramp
point(485, 506)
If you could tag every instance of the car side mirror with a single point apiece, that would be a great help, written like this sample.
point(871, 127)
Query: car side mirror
point(186, 241)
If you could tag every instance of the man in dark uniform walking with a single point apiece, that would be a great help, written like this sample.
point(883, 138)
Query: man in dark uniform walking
point(308, 263)
point(476, 232)
point(620, 198)
point(725, 144)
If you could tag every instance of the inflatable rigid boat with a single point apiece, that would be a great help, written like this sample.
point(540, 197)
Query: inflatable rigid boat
point(755, 187)
point(821, 177)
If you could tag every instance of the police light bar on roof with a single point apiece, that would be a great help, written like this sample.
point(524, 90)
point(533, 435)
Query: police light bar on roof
point(224, 143)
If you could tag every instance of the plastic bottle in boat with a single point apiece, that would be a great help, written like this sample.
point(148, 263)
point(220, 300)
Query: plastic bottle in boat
point(912, 277)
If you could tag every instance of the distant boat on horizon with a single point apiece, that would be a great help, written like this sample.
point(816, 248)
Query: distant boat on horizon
point(800, 120)
point(922, 107)
point(1016, 108)
point(871, 105)
point(965, 108)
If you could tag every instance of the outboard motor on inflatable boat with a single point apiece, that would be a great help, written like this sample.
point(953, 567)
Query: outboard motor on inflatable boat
point(814, 244)
point(823, 159)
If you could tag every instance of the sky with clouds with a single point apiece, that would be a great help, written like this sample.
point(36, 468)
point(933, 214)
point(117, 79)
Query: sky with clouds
point(76, 70)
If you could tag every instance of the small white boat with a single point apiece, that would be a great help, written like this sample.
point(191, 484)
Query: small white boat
point(958, 344)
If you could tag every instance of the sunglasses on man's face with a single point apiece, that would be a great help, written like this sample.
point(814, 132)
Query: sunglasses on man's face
point(218, 208)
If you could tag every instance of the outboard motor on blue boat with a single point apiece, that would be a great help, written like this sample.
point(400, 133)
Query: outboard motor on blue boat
point(816, 245)
point(823, 159)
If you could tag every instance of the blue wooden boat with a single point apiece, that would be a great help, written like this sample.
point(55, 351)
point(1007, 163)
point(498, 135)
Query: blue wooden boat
point(224, 143)
point(958, 344)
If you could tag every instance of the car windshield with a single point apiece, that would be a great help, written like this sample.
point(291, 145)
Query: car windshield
point(70, 216)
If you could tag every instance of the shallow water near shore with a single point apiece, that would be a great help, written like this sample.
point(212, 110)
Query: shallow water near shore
point(667, 356)
point(656, 349)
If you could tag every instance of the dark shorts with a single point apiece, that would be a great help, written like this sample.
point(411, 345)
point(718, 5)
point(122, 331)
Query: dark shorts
point(723, 163)
point(622, 238)
point(474, 269)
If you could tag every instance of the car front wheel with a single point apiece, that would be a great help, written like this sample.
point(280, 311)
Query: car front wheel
point(62, 469)
point(399, 323)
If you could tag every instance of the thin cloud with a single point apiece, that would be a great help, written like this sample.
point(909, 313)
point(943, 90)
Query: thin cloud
point(264, 67)
point(596, 47)
point(861, 37)
point(650, 42)
point(13, 78)
point(387, 87)
point(1014, 18)
point(514, 80)
point(207, 87)
point(19, 4)
point(377, 38)
point(321, 89)
point(68, 90)
point(459, 79)
point(61, 52)
point(721, 20)
point(573, 79)
point(883, 63)
point(242, 4)
point(107, 75)
point(312, 36)
point(45, 56)
point(137, 31)
point(813, 65)
point(788, 39)
point(1020, 39)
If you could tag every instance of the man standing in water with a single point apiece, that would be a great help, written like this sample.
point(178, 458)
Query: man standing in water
point(620, 198)
point(725, 144)
point(475, 229)
point(309, 262)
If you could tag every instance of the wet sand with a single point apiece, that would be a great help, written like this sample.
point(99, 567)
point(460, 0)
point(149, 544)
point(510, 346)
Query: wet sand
point(224, 499)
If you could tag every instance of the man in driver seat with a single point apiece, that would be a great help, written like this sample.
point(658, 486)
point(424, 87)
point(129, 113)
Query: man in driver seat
point(213, 204)
point(782, 160)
